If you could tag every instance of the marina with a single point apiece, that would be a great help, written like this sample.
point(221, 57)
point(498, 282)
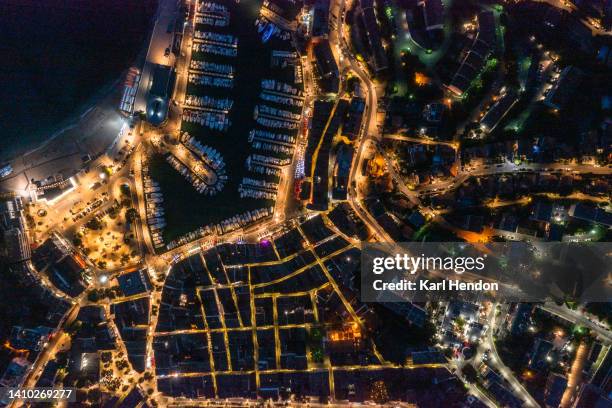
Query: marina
point(250, 129)
point(214, 49)
point(267, 111)
point(276, 138)
point(212, 14)
point(202, 166)
point(283, 100)
point(267, 30)
point(275, 123)
point(199, 180)
point(209, 37)
point(154, 210)
point(257, 189)
point(272, 147)
point(212, 120)
point(211, 80)
point(280, 87)
point(210, 68)
point(214, 104)
point(284, 58)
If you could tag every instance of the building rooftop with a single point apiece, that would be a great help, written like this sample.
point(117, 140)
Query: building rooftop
point(591, 213)
point(555, 387)
point(475, 58)
point(326, 67)
point(373, 33)
point(433, 14)
point(160, 92)
point(134, 282)
point(344, 159)
point(499, 109)
point(562, 92)
point(320, 18)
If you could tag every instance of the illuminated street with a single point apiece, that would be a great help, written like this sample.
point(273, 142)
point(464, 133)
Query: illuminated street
point(209, 231)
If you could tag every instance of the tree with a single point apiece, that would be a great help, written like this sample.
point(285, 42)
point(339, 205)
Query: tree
point(378, 392)
point(317, 355)
point(460, 322)
point(94, 395)
point(106, 356)
point(125, 189)
point(470, 373)
point(77, 241)
point(74, 327)
point(351, 82)
point(131, 214)
point(93, 295)
point(113, 212)
point(94, 224)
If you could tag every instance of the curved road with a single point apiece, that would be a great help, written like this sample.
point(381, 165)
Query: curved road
point(496, 361)
point(577, 318)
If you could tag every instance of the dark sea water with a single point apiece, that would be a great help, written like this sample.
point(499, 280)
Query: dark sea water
point(57, 57)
